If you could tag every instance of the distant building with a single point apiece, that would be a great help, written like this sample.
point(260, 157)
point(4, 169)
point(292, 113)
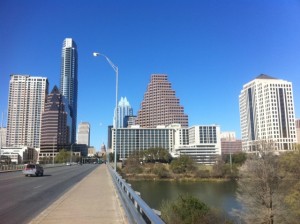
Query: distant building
point(267, 113)
point(56, 123)
point(124, 109)
point(91, 152)
point(26, 101)
point(83, 136)
point(229, 143)
point(25, 154)
point(109, 137)
point(160, 105)
point(204, 144)
point(69, 80)
point(201, 143)
point(298, 130)
point(2, 137)
point(129, 121)
point(228, 136)
point(103, 149)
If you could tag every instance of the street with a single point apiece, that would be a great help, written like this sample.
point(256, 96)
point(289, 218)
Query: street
point(22, 198)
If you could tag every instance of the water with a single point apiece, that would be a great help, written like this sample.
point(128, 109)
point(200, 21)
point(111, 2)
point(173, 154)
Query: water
point(218, 195)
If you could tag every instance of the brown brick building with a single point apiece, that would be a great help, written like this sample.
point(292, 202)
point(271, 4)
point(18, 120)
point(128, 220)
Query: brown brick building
point(160, 105)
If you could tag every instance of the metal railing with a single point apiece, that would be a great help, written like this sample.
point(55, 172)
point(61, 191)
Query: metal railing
point(15, 167)
point(135, 207)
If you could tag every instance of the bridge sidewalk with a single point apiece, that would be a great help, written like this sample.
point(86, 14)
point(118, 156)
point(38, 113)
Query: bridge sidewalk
point(92, 200)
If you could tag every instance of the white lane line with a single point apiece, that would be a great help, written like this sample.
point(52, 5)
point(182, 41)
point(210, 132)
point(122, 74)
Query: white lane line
point(37, 187)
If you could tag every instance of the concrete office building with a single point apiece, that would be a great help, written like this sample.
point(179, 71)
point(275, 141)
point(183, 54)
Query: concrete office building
point(136, 139)
point(267, 113)
point(160, 105)
point(56, 123)
point(83, 136)
point(124, 109)
point(298, 130)
point(26, 101)
point(69, 80)
point(204, 144)
point(201, 143)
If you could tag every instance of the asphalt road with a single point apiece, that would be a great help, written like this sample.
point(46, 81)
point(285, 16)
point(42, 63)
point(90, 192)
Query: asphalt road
point(22, 198)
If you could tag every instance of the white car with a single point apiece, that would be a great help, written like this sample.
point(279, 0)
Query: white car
point(33, 169)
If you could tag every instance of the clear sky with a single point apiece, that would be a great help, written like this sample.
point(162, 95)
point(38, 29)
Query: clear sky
point(209, 49)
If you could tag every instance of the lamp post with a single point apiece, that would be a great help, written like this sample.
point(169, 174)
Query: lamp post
point(116, 69)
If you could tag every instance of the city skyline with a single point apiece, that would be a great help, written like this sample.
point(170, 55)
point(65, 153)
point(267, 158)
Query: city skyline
point(209, 50)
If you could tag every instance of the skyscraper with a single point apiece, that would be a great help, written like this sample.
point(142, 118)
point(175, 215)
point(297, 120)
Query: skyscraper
point(267, 113)
point(56, 122)
point(26, 100)
point(124, 109)
point(83, 133)
point(160, 105)
point(68, 79)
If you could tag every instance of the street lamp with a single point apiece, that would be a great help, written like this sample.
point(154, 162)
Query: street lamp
point(116, 69)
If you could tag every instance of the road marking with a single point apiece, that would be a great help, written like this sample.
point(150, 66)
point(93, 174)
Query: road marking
point(37, 187)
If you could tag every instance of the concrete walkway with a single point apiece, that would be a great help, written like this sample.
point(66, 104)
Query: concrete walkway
point(93, 200)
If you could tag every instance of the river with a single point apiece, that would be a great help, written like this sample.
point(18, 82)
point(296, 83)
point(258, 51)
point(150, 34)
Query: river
point(218, 195)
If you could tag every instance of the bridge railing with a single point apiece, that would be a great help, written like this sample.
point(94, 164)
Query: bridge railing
point(135, 207)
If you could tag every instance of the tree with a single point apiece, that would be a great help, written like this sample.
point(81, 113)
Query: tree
point(187, 209)
point(290, 169)
point(157, 155)
point(183, 164)
point(63, 156)
point(260, 188)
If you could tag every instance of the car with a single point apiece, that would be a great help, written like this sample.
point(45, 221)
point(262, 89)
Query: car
point(33, 169)
point(68, 164)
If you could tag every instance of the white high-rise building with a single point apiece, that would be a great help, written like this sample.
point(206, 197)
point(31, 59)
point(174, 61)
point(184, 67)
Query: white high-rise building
point(69, 79)
point(267, 113)
point(298, 130)
point(83, 136)
point(26, 101)
point(124, 109)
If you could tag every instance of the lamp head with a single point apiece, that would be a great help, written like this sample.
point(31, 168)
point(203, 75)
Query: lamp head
point(95, 54)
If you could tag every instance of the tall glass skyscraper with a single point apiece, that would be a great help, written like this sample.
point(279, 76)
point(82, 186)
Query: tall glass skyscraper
point(124, 109)
point(69, 80)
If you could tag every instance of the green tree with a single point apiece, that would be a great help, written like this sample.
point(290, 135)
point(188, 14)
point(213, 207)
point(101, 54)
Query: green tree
point(63, 156)
point(187, 209)
point(183, 164)
point(290, 169)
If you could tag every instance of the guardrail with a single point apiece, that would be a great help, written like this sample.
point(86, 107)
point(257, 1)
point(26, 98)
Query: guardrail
point(135, 207)
point(14, 167)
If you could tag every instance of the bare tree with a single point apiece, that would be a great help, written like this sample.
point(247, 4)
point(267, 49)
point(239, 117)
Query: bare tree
point(260, 188)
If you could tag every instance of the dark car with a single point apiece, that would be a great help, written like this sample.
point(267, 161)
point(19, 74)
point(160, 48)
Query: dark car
point(33, 169)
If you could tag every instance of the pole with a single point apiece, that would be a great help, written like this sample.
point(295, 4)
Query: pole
point(71, 157)
point(116, 121)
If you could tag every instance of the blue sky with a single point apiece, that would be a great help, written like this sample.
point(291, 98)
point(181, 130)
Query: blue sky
point(209, 49)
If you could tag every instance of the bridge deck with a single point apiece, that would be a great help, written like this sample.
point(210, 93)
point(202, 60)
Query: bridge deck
point(93, 200)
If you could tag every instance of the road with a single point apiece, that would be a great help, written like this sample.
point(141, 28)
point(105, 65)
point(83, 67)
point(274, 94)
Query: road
point(22, 198)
